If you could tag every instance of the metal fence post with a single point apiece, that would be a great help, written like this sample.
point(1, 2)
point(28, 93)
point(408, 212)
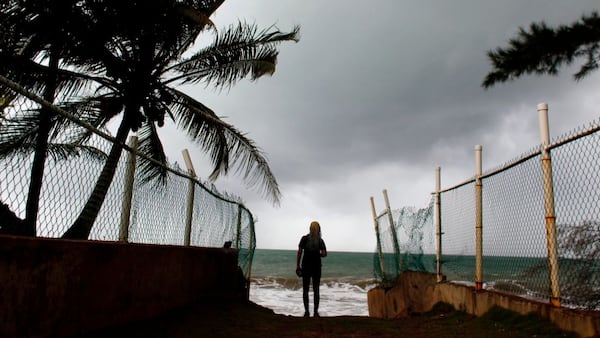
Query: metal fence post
point(128, 191)
point(190, 200)
point(478, 221)
point(542, 109)
point(238, 239)
point(438, 223)
point(250, 255)
point(393, 229)
point(379, 250)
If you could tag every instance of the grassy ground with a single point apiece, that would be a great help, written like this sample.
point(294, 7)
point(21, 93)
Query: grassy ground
point(251, 320)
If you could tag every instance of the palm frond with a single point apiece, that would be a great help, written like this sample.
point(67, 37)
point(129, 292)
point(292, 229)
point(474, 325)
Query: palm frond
point(33, 76)
point(150, 145)
point(200, 16)
point(66, 151)
point(27, 73)
point(196, 119)
point(18, 134)
point(64, 129)
point(186, 21)
point(94, 110)
point(226, 146)
point(72, 84)
point(239, 51)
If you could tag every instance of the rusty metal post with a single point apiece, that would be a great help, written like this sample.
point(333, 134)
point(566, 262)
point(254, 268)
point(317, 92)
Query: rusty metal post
point(438, 223)
point(379, 250)
point(478, 221)
point(393, 230)
point(549, 211)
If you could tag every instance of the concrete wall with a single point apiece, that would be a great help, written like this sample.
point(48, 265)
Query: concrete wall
point(58, 288)
point(418, 292)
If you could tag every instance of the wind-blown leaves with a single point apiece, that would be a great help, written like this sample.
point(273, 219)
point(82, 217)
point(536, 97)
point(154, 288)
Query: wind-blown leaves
point(18, 138)
point(18, 135)
point(119, 59)
point(544, 50)
point(226, 145)
point(237, 52)
point(67, 151)
point(149, 144)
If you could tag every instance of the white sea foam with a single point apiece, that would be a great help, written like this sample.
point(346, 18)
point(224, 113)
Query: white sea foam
point(337, 298)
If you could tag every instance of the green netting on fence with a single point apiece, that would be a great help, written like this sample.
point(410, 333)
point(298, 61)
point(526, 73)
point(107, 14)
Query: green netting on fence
point(405, 242)
point(158, 212)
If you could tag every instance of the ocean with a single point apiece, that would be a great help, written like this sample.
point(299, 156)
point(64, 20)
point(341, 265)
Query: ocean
point(346, 278)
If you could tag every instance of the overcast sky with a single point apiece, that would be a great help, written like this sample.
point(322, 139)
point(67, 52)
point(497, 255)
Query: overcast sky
point(374, 96)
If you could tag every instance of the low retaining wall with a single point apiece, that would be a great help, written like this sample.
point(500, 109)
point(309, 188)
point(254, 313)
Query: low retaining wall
point(418, 292)
point(59, 288)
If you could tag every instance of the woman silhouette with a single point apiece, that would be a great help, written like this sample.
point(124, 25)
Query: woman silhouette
point(310, 250)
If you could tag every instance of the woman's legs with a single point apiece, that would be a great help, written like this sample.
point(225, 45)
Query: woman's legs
point(316, 281)
point(305, 286)
point(307, 275)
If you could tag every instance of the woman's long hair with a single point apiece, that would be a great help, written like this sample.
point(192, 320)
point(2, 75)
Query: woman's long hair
point(314, 236)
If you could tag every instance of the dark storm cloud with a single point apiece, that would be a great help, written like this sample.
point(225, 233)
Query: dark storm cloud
point(382, 86)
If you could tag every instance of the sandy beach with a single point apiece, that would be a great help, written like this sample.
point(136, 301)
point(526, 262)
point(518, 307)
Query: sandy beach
point(251, 320)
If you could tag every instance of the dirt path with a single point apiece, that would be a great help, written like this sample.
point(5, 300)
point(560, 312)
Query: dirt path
point(251, 320)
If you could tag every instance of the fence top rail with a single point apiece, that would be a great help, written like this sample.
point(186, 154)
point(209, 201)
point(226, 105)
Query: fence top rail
point(574, 135)
point(47, 105)
point(468, 181)
point(568, 137)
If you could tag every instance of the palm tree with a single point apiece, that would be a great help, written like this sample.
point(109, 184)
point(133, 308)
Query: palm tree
point(36, 37)
point(138, 67)
point(543, 50)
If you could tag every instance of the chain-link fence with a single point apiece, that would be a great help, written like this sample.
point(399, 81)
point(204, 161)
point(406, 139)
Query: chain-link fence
point(539, 217)
point(158, 213)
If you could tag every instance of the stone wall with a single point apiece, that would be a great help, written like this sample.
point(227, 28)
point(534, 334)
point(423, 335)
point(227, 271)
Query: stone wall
point(59, 288)
point(418, 292)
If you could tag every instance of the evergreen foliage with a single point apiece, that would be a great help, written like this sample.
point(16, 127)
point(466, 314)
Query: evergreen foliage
point(542, 49)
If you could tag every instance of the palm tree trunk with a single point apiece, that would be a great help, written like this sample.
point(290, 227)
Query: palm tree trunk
point(82, 226)
point(39, 157)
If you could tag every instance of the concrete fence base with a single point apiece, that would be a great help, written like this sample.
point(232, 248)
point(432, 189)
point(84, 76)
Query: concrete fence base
point(60, 288)
point(418, 292)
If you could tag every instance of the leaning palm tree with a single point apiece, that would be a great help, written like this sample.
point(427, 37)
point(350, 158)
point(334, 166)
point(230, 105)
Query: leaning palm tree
point(36, 37)
point(138, 68)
